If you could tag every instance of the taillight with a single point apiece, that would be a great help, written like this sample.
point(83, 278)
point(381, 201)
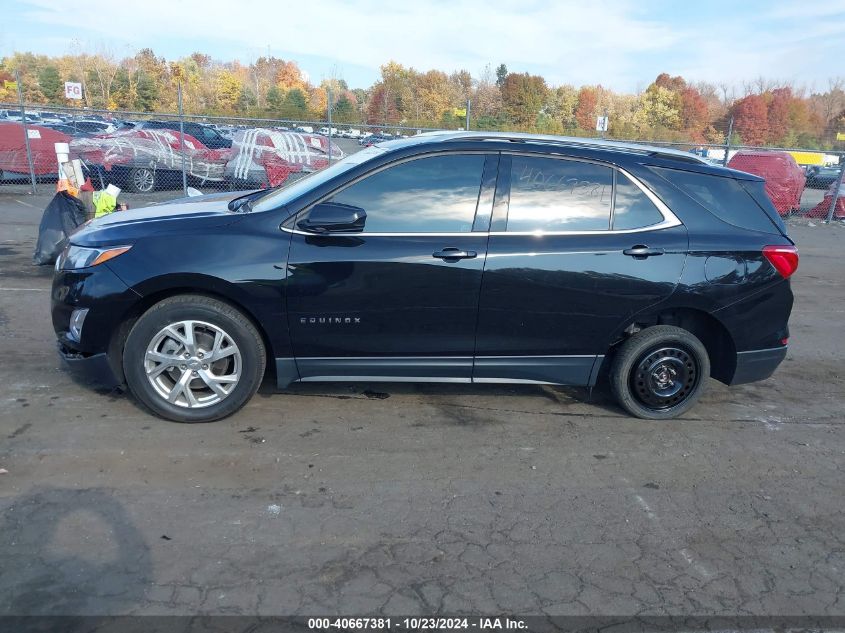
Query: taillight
point(783, 258)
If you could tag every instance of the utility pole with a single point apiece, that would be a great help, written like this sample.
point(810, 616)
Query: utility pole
point(329, 117)
point(182, 138)
point(728, 142)
point(469, 104)
point(25, 131)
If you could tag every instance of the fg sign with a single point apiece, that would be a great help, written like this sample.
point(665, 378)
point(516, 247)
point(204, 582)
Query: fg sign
point(73, 90)
point(601, 124)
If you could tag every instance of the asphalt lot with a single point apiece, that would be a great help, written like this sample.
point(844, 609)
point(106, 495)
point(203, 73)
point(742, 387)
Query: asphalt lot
point(421, 499)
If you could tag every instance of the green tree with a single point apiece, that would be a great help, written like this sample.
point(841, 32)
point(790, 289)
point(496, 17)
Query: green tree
point(343, 111)
point(51, 84)
point(148, 92)
point(501, 74)
point(295, 105)
point(274, 99)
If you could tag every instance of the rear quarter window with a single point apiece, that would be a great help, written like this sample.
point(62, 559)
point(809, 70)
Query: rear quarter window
point(726, 198)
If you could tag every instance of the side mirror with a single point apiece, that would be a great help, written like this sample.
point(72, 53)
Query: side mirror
point(333, 217)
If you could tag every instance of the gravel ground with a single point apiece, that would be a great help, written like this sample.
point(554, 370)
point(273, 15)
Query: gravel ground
point(422, 499)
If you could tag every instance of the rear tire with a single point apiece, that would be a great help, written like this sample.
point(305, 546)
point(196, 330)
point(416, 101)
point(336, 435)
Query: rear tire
point(191, 358)
point(659, 372)
point(141, 179)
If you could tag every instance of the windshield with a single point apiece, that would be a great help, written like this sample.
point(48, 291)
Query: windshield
point(290, 192)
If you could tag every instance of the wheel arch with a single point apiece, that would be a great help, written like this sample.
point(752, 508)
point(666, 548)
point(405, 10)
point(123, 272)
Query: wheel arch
point(713, 334)
point(148, 300)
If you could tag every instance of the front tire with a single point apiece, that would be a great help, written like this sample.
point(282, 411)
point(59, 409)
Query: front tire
point(659, 372)
point(191, 358)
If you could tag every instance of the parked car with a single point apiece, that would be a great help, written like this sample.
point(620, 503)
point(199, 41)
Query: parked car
point(822, 177)
point(372, 139)
point(64, 128)
point(49, 118)
point(206, 134)
point(15, 116)
point(92, 126)
point(456, 257)
point(305, 129)
point(785, 180)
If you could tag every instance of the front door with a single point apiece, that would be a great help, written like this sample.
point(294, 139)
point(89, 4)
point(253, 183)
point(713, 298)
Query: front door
point(398, 299)
point(576, 249)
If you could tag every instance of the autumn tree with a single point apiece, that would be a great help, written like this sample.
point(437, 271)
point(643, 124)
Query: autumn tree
point(778, 114)
point(523, 96)
point(585, 113)
point(694, 113)
point(751, 119)
point(382, 107)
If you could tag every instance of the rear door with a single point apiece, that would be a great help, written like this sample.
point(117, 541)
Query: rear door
point(576, 249)
point(400, 298)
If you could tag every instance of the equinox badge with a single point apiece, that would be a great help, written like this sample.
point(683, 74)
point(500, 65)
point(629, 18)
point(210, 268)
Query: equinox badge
point(329, 320)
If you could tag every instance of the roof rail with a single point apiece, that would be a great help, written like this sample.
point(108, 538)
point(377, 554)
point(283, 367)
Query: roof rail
point(570, 141)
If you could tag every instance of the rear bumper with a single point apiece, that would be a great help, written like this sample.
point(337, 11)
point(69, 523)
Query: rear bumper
point(757, 364)
point(92, 369)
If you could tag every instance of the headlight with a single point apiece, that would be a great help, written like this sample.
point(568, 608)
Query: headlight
point(79, 257)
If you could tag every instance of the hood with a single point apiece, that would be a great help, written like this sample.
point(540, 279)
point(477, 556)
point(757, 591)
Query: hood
point(176, 216)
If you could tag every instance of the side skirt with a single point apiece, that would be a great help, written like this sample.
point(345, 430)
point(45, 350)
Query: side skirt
point(549, 370)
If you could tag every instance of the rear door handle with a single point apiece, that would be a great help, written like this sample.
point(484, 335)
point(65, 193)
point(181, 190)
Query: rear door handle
point(641, 251)
point(454, 254)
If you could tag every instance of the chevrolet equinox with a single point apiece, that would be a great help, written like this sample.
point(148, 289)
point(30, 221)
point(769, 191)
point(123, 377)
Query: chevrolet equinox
point(446, 257)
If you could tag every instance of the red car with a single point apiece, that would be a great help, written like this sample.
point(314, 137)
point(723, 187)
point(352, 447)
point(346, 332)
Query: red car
point(785, 180)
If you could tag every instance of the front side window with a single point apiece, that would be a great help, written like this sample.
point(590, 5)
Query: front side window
point(437, 194)
point(632, 208)
point(549, 194)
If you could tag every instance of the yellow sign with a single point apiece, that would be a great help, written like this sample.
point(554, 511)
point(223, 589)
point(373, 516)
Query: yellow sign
point(840, 136)
point(808, 158)
point(10, 85)
point(459, 111)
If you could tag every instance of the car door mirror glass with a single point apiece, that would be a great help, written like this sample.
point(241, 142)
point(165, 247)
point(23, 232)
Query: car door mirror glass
point(333, 217)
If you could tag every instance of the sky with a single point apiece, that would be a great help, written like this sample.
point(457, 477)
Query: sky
point(620, 44)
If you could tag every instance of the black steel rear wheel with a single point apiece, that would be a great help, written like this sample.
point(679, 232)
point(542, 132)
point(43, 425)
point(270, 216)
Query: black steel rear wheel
point(660, 372)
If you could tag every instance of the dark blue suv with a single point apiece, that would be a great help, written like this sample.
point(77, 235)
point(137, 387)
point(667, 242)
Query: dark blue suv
point(448, 257)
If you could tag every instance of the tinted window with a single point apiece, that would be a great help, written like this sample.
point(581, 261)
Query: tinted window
point(723, 197)
point(558, 195)
point(632, 209)
point(428, 195)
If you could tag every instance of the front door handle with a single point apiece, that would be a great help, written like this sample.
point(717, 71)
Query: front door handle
point(641, 251)
point(454, 254)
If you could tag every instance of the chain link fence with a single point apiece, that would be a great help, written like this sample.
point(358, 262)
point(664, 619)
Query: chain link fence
point(159, 156)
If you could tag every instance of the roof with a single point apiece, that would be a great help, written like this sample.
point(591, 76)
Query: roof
point(561, 141)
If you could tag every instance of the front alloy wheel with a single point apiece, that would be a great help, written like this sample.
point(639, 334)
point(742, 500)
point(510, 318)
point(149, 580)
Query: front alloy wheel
point(193, 358)
point(193, 364)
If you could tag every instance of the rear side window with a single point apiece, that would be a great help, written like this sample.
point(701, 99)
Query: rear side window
point(549, 194)
point(725, 198)
point(632, 209)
